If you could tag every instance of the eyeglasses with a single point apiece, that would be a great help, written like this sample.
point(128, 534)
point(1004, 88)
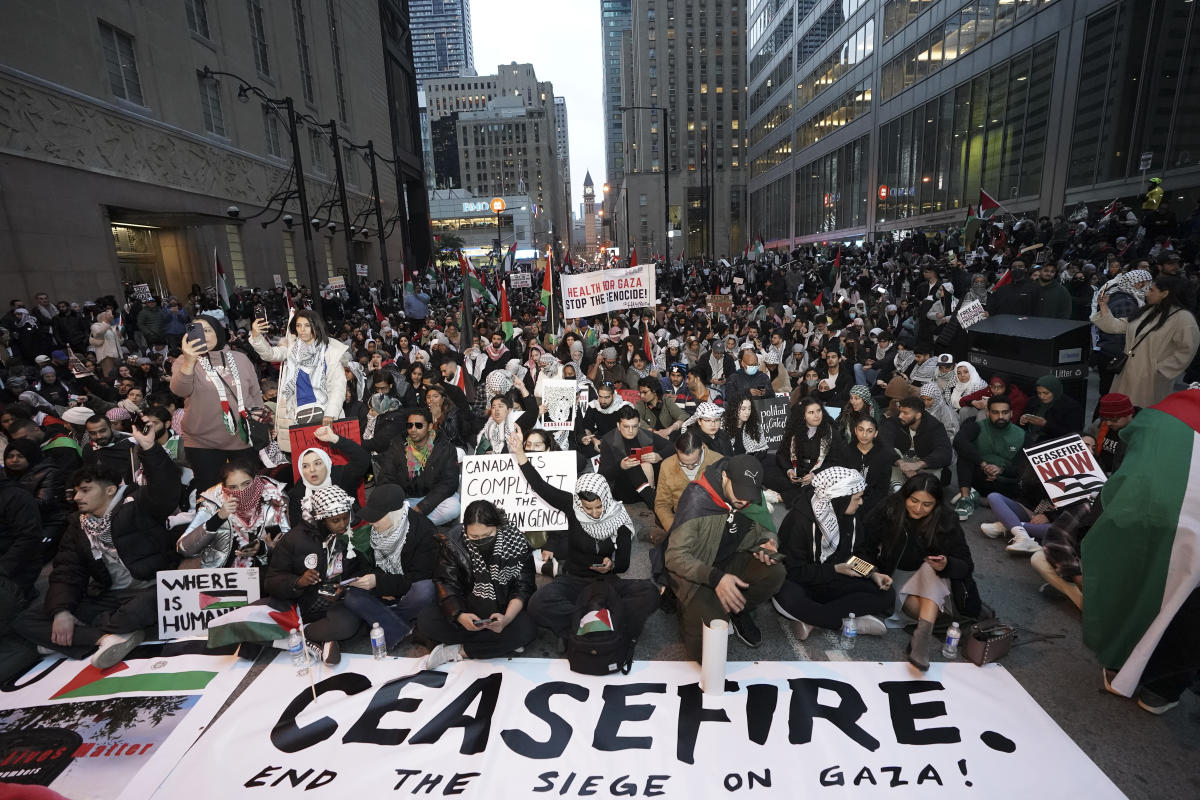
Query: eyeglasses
point(607, 385)
point(415, 426)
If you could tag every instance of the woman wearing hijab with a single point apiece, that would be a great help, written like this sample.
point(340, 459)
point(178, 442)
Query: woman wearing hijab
point(709, 423)
point(484, 579)
point(318, 471)
point(312, 383)
point(237, 521)
point(25, 464)
point(219, 386)
point(308, 566)
point(966, 382)
point(596, 546)
point(1052, 414)
point(861, 404)
point(818, 538)
point(935, 404)
point(503, 415)
point(915, 541)
point(998, 384)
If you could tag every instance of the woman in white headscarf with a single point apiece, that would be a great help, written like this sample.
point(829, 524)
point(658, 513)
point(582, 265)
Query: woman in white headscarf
point(966, 382)
point(818, 537)
point(503, 414)
point(597, 545)
point(318, 471)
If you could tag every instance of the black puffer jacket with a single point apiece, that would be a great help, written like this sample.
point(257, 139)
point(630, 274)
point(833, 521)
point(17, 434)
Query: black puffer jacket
point(513, 562)
point(287, 564)
point(139, 533)
point(20, 536)
point(45, 482)
point(434, 484)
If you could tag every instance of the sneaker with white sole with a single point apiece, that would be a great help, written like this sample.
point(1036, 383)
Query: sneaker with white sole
point(444, 654)
point(964, 508)
point(1155, 704)
point(113, 647)
point(746, 630)
point(1022, 542)
point(992, 530)
point(869, 625)
point(800, 628)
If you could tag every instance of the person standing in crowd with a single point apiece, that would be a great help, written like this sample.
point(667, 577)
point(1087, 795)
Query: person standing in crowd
point(219, 387)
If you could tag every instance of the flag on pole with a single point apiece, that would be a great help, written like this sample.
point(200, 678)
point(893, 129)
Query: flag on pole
point(466, 331)
point(987, 204)
point(221, 285)
point(648, 345)
point(746, 252)
point(548, 284)
point(970, 227)
point(379, 317)
point(1135, 583)
point(633, 262)
point(837, 274)
point(1005, 280)
point(506, 323)
point(472, 282)
point(510, 258)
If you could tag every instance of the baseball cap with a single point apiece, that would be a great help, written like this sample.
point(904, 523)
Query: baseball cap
point(383, 500)
point(945, 360)
point(746, 474)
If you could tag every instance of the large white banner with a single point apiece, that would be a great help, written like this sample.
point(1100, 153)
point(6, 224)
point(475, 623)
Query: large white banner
point(498, 478)
point(607, 290)
point(530, 727)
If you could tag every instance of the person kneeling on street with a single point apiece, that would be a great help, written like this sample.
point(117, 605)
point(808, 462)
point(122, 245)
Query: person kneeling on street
point(101, 591)
point(818, 537)
point(595, 546)
point(308, 566)
point(720, 560)
point(484, 580)
point(403, 552)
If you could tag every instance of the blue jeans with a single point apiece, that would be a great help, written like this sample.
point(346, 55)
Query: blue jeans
point(865, 377)
point(446, 511)
point(396, 619)
point(1010, 513)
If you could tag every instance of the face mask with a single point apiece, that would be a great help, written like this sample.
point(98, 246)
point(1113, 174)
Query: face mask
point(811, 381)
point(752, 369)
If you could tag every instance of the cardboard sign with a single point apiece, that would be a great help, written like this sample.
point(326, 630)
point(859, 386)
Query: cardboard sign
point(773, 414)
point(189, 599)
point(498, 478)
point(520, 280)
point(608, 290)
point(337, 283)
point(302, 438)
point(630, 396)
point(719, 304)
point(142, 292)
point(560, 398)
point(1067, 469)
point(738, 281)
point(278, 281)
point(360, 270)
point(971, 313)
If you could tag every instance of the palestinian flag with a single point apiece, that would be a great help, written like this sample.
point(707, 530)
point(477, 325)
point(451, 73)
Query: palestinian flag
point(472, 280)
point(970, 228)
point(510, 258)
point(187, 673)
point(598, 621)
point(506, 323)
point(1005, 280)
point(223, 598)
point(987, 204)
point(258, 622)
point(548, 283)
point(1140, 559)
point(379, 316)
point(222, 283)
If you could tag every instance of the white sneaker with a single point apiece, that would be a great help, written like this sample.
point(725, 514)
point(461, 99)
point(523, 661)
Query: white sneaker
point(444, 654)
point(800, 628)
point(992, 530)
point(113, 647)
point(1022, 542)
point(871, 626)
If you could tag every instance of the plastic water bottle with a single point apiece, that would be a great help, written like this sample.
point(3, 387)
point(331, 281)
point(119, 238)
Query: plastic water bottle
point(849, 633)
point(950, 648)
point(378, 642)
point(296, 648)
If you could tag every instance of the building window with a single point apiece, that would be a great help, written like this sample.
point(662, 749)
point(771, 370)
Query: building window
point(306, 76)
point(271, 131)
point(233, 235)
point(643, 201)
point(197, 17)
point(121, 64)
point(289, 257)
point(210, 104)
point(336, 52)
point(317, 149)
point(258, 36)
point(350, 165)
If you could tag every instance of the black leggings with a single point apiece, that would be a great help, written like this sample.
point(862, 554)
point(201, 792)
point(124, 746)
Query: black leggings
point(827, 604)
point(338, 624)
point(477, 644)
point(206, 464)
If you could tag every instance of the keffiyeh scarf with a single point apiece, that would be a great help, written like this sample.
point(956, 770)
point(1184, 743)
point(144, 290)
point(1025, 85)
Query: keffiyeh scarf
point(828, 484)
point(326, 502)
point(504, 565)
point(389, 544)
point(99, 529)
point(612, 515)
point(306, 356)
point(235, 422)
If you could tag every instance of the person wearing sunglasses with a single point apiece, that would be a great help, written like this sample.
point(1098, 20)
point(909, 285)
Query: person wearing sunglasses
point(425, 465)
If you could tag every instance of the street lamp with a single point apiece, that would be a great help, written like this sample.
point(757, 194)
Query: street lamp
point(666, 133)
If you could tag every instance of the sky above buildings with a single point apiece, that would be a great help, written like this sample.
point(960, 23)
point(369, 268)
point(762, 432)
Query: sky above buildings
point(561, 38)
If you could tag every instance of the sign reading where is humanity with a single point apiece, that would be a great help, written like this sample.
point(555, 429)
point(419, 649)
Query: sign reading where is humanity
point(1067, 469)
point(608, 290)
point(189, 599)
point(533, 727)
point(498, 479)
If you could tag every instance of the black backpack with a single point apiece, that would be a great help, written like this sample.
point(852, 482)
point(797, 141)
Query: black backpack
point(600, 652)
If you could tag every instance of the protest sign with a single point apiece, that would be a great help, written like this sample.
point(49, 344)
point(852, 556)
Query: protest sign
point(970, 313)
point(498, 478)
point(189, 599)
point(772, 413)
point(520, 280)
point(608, 290)
point(142, 292)
point(559, 397)
point(337, 282)
point(780, 730)
point(738, 281)
point(278, 281)
point(88, 733)
point(630, 396)
point(719, 304)
point(360, 270)
point(301, 438)
point(1067, 469)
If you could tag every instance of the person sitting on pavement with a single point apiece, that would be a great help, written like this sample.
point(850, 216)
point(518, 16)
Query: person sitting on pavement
point(742, 432)
point(402, 553)
point(1115, 412)
point(719, 560)
point(1052, 414)
point(238, 521)
point(25, 465)
point(833, 389)
point(859, 405)
point(919, 441)
point(630, 456)
point(309, 564)
point(750, 380)
point(692, 456)
point(318, 470)
point(989, 456)
point(597, 545)
point(22, 549)
point(937, 407)
point(101, 591)
point(818, 537)
point(425, 466)
point(658, 414)
point(709, 422)
point(870, 459)
point(484, 580)
point(109, 447)
point(998, 384)
point(914, 539)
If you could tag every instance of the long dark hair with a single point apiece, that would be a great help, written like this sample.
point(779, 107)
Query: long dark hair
point(797, 427)
point(1156, 315)
point(320, 335)
point(730, 421)
point(483, 512)
point(940, 520)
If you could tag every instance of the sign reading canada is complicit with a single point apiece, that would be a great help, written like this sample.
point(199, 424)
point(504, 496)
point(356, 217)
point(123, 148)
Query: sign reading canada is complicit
point(608, 290)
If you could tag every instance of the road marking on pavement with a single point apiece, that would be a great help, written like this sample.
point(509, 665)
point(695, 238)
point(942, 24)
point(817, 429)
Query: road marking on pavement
point(800, 650)
point(836, 655)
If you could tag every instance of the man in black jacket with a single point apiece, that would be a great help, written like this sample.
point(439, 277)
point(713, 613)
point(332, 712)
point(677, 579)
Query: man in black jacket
point(119, 541)
point(404, 554)
point(920, 443)
point(430, 477)
point(20, 559)
point(109, 448)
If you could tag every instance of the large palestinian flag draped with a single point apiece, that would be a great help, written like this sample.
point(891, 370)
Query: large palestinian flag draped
point(1141, 559)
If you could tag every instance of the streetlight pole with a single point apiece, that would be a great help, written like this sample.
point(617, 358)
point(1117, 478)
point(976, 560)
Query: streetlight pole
point(383, 258)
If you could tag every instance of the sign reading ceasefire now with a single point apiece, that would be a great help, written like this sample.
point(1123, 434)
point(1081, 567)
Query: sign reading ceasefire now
point(608, 290)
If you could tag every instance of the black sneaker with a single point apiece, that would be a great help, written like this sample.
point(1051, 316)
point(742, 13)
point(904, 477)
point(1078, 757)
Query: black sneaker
point(746, 630)
point(666, 601)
